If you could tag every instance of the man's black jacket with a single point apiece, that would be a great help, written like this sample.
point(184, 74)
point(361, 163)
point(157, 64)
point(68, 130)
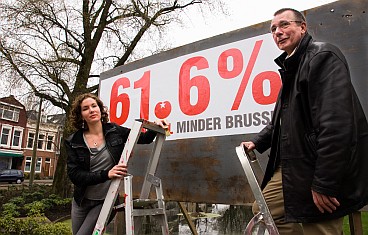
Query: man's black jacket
point(318, 134)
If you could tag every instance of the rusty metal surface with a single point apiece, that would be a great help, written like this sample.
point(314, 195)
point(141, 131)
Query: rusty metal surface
point(197, 170)
point(207, 169)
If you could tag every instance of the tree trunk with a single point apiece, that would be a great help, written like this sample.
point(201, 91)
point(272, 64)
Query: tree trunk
point(61, 185)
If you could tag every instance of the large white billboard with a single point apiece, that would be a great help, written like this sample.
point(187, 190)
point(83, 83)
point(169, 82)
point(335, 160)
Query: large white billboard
point(225, 90)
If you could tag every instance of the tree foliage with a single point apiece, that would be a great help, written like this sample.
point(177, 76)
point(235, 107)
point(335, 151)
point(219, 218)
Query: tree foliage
point(54, 46)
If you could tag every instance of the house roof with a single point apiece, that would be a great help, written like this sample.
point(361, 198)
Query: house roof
point(52, 119)
point(11, 100)
point(56, 118)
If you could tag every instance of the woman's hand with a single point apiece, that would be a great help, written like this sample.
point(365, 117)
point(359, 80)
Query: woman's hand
point(162, 123)
point(118, 171)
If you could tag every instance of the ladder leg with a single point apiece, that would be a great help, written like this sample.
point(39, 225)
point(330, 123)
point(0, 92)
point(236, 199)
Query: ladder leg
point(187, 218)
point(129, 218)
point(257, 192)
point(106, 208)
point(159, 213)
point(151, 170)
point(115, 183)
point(152, 165)
point(161, 204)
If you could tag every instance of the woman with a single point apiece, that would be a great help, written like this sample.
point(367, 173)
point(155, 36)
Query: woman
point(94, 151)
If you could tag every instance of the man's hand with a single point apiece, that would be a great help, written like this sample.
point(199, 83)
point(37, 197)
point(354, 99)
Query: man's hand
point(324, 202)
point(248, 145)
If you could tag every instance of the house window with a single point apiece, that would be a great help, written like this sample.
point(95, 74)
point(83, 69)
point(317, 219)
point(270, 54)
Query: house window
point(31, 137)
point(27, 167)
point(9, 113)
point(28, 162)
point(50, 141)
point(5, 136)
point(38, 165)
point(41, 138)
point(17, 138)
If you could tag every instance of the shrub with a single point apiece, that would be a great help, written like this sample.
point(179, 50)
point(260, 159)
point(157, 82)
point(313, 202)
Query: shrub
point(10, 209)
point(7, 225)
point(53, 229)
point(17, 200)
point(36, 208)
point(34, 202)
point(32, 226)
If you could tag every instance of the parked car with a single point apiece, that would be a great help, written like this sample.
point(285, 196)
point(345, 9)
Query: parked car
point(11, 175)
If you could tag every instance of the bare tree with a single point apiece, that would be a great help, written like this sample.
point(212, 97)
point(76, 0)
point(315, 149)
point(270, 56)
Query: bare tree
point(54, 46)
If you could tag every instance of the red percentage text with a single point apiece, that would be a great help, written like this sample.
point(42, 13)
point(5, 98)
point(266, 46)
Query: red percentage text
point(230, 65)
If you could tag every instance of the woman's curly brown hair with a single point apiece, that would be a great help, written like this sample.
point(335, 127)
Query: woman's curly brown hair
point(76, 111)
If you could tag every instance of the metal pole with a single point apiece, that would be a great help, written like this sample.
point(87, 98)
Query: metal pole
point(34, 152)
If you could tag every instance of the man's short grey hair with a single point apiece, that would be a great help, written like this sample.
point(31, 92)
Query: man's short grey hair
point(298, 15)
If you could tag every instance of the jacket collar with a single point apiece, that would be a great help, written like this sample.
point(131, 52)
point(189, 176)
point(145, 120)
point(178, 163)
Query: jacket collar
point(292, 63)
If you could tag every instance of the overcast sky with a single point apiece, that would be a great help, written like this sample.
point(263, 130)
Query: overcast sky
point(241, 13)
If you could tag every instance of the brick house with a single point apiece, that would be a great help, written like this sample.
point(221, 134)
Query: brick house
point(13, 121)
point(48, 143)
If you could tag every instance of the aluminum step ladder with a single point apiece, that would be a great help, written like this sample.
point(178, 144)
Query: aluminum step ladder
point(133, 227)
point(261, 223)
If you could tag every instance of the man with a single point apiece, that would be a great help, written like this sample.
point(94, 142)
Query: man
point(318, 166)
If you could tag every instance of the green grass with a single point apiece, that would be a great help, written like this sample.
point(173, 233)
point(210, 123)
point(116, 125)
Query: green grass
point(364, 224)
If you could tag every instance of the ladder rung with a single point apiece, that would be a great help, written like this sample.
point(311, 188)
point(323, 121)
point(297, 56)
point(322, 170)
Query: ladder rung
point(138, 203)
point(145, 202)
point(120, 207)
point(143, 212)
